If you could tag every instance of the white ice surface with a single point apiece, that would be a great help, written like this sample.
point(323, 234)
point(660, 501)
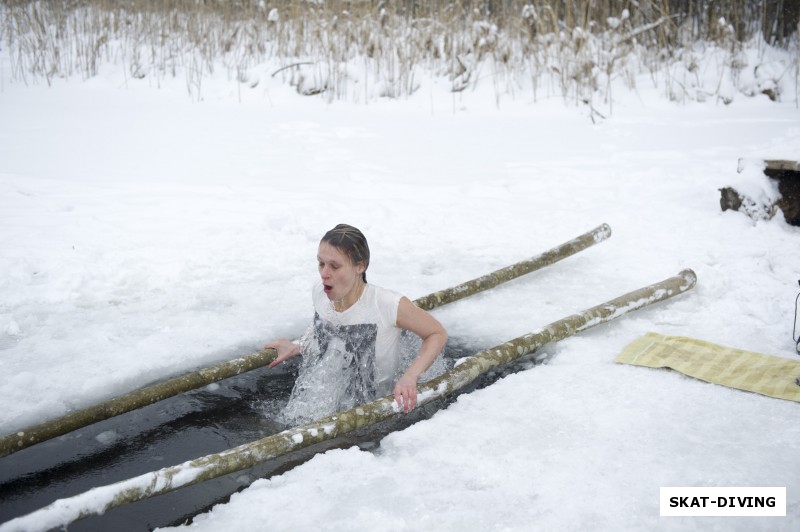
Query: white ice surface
point(143, 234)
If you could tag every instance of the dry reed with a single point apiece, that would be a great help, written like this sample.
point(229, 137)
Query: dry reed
point(363, 49)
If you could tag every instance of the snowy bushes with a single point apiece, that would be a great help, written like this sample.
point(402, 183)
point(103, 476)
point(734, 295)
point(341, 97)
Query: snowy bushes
point(363, 49)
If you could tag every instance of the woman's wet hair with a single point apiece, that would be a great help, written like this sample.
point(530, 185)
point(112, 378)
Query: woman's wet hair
point(352, 242)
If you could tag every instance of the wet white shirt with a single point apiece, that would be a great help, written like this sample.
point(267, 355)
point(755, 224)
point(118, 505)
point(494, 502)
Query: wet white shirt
point(367, 330)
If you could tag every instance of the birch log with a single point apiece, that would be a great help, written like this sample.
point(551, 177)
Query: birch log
point(503, 275)
point(151, 394)
point(98, 500)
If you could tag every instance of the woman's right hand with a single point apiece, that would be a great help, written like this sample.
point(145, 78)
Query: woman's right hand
point(285, 348)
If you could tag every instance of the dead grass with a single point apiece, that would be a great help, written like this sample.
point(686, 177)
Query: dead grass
point(364, 49)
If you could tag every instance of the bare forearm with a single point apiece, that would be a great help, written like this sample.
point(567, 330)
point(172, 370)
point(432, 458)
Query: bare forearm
point(285, 350)
point(434, 336)
point(431, 348)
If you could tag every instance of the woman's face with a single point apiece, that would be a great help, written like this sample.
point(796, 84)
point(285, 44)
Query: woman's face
point(339, 275)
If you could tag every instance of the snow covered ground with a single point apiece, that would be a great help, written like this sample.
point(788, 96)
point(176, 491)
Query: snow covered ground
point(143, 234)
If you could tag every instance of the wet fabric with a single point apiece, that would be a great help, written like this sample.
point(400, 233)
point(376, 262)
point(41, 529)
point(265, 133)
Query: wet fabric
point(354, 346)
point(744, 370)
point(376, 307)
point(349, 358)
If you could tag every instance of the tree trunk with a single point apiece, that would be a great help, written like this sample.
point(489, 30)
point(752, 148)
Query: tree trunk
point(503, 275)
point(98, 500)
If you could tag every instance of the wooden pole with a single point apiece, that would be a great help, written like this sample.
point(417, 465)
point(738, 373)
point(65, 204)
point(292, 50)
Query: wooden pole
point(503, 275)
point(32, 435)
point(98, 500)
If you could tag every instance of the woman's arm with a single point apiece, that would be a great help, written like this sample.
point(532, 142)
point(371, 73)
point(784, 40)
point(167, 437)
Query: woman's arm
point(421, 323)
point(285, 349)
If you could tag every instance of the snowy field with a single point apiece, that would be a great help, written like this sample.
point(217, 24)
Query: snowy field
point(144, 234)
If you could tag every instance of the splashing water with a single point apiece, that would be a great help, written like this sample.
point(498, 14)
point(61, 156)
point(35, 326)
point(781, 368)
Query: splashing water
point(330, 379)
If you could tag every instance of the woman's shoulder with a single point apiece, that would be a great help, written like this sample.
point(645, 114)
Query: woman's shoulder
point(383, 293)
point(385, 299)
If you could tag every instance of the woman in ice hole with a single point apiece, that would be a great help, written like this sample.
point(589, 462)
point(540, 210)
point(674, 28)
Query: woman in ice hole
point(357, 329)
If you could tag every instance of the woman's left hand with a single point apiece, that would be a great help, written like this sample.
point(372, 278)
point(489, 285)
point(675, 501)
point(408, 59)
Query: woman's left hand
point(405, 393)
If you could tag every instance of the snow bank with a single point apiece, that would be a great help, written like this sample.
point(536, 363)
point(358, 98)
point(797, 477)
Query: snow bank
point(143, 234)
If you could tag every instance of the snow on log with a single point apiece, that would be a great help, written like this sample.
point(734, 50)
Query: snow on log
point(98, 500)
point(519, 269)
point(202, 377)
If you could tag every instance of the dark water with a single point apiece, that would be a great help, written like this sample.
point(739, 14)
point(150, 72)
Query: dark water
point(205, 421)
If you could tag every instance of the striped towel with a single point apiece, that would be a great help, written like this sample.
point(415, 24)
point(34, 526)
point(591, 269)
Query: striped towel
point(743, 370)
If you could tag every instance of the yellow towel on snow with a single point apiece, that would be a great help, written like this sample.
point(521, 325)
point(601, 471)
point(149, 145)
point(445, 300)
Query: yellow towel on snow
point(744, 370)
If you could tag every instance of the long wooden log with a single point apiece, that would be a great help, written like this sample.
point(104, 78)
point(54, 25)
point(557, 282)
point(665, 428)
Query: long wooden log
point(202, 377)
point(98, 500)
point(503, 275)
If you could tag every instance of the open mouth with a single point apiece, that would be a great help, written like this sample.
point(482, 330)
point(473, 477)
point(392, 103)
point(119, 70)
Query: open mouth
point(327, 288)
